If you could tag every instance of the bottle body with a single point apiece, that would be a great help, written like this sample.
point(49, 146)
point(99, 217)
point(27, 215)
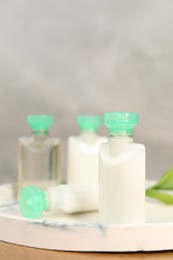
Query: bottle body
point(83, 158)
point(73, 198)
point(39, 161)
point(122, 182)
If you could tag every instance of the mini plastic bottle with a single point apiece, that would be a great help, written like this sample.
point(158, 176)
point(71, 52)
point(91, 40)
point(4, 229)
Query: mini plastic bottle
point(64, 198)
point(39, 155)
point(122, 173)
point(83, 151)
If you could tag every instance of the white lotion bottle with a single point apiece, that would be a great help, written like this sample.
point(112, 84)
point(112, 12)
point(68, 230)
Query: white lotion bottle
point(68, 199)
point(121, 172)
point(83, 152)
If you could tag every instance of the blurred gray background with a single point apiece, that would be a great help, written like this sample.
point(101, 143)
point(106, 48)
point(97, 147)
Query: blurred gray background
point(75, 57)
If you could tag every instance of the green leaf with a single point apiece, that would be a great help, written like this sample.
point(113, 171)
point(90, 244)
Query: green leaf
point(161, 196)
point(166, 181)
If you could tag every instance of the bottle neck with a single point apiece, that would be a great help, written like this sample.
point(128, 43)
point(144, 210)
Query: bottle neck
point(40, 135)
point(88, 137)
point(117, 143)
point(47, 201)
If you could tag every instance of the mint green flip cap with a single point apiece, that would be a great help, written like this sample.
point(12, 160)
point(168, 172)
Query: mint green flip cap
point(32, 201)
point(89, 123)
point(121, 122)
point(40, 122)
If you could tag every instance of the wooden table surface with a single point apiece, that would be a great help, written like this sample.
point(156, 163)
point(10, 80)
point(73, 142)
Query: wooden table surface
point(14, 252)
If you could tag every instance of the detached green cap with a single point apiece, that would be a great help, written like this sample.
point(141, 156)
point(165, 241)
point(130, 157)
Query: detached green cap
point(89, 123)
point(32, 201)
point(40, 122)
point(121, 122)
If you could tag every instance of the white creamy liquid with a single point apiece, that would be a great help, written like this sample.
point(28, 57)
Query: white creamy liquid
point(73, 198)
point(83, 158)
point(122, 182)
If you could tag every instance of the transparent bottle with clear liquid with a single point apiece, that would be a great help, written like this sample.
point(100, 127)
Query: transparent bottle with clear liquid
point(39, 155)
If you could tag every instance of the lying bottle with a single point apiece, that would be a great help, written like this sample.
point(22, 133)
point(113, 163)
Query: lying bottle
point(39, 155)
point(83, 151)
point(122, 173)
point(69, 199)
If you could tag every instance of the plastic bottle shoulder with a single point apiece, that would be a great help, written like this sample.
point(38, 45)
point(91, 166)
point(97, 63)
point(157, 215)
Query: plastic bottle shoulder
point(128, 152)
point(78, 138)
point(31, 141)
point(132, 146)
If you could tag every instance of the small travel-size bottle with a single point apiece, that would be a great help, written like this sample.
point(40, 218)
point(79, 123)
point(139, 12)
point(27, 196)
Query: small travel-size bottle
point(121, 172)
point(64, 198)
point(83, 151)
point(39, 155)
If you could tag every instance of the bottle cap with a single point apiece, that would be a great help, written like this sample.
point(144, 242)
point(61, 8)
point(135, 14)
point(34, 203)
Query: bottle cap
point(40, 122)
point(121, 122)
point(89, 123)
point(32, 201)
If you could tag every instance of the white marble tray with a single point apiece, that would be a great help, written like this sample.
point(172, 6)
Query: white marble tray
point(82, 232)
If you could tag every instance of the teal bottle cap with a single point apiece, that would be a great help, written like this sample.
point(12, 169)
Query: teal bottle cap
point(32, 201)
point(121, 122)
point(89, 123)
point(40, 122)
